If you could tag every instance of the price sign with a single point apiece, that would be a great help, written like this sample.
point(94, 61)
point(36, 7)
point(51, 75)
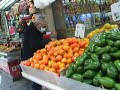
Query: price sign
point(80, 30)
point(115, 10)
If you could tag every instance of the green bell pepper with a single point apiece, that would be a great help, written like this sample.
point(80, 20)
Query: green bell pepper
point(87, 62)
point(77, 77)
point(114, 49)
point(101, 42)
point(110, 42)
point(89, 74)
point(104, 50)
point(117, 44)
point(88, 81)
point(116, 54)
point(94, 64)
point(91, 47)
point(97, 49)
point(107, 82)
point(80, 70)
point(117, 86)
point(117, 64)
point(81, 60)
point(70, 71)
point(106, 57)
point(112, 70)
point(104, 66)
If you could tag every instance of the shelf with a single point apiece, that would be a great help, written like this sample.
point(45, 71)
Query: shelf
point(42, 82)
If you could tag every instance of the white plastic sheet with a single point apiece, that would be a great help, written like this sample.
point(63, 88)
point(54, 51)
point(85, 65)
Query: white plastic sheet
point(41, 4)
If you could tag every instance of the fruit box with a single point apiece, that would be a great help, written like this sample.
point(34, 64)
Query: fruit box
point(11, 67)
point(40, 74)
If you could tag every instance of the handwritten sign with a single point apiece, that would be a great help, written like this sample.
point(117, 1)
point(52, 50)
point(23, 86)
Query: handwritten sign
point(80, 30)
point(115, 10)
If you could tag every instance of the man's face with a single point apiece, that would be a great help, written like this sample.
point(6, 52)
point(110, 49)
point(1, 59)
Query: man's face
point(38, 25)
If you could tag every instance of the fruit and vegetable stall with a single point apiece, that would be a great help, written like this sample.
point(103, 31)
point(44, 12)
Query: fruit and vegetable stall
point(91, 63)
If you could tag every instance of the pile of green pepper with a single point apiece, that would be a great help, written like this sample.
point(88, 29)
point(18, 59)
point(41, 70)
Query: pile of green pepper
point(100, 63)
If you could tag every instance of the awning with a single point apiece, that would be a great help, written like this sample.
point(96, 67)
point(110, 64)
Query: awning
point(5, 4)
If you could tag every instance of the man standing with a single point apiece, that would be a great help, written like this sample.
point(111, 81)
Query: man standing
point(33, 40)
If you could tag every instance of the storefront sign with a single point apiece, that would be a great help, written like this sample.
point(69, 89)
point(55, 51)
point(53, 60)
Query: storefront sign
point(80, 30)
point(115, 10)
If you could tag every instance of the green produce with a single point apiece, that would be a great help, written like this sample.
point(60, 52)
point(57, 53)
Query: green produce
point(112, 71)
point(101, 42)
point(80, 70)
point(116, 54)
point(110, 42)
point(106, 57)
point(91, 47)
point(81, 60)
point(95, 57)
point(89, 74)
point(113, 36)
point(69, 72)
point(103, 50)
point(77, 77)
point(75, 67)
point(117, 64)
point(94, 64)
point(114, 49)
point(104, 66)
point(96, 79)
point(88, 81)
point(117, 44)
point(97, 49)
point(87, 62)
point(117, 86)
point(107, 82)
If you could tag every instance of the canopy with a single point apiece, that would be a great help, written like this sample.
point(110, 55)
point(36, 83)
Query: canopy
point(5, 4)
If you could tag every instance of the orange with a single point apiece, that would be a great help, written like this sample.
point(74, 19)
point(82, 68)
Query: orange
point(61, 52)
point(42, 66)
point(65, 55)
point(73, 58)
point(37, 66)
point(55, 65)
point(76, 49)
point(43, 50)
point(74, 45)
point(76, 54)
point(80, 53)
point(45, 61)
point(51, 52)
point(50, 63)
point(46, 68)
point(62, 66)
point(66, 48)
point(58, 70)
point(69, 55)
point(69, 61)
point(38, 56)
point(27, 63)
point(82, 44)
point(45, 57)
point(53, 58)
point(52, 70)
point(55, 53)
point(32, 65)
point(82, 49)
point(64, 60)
point(59, 58)
point(70, 41)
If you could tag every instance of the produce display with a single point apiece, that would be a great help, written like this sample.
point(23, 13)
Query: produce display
point(7, 49)
point(107, 27)
point(100, 63)
point(58, 54)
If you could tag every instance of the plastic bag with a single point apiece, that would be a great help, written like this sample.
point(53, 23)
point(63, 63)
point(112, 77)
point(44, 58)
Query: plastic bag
point(41, 4)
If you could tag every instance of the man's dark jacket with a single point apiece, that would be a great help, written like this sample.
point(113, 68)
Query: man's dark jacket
point(32, 41)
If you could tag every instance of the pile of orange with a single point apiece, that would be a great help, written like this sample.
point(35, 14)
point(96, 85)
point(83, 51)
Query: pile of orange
point(57, 55)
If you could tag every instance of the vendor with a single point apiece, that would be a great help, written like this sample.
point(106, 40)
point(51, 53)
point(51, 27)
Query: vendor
point(34, 40)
